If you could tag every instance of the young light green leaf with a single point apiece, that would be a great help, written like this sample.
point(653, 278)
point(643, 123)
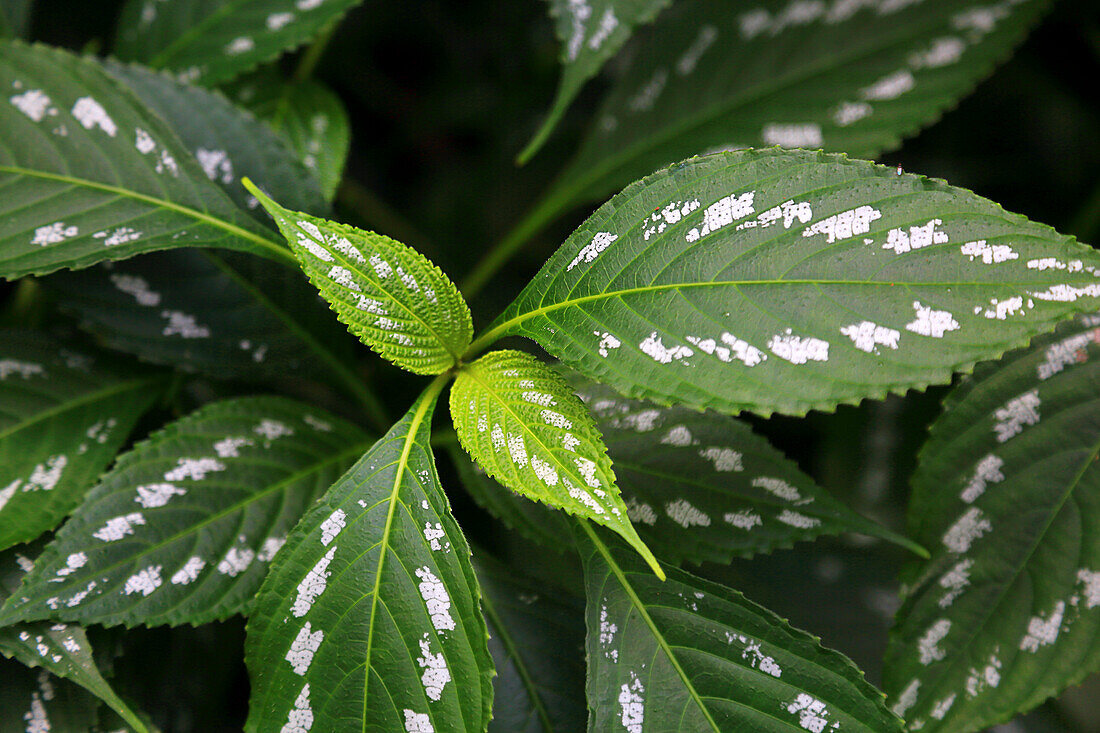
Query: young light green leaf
point(228, 142)
point(520, 421)
point(210, 41)
point(92, 175)
point(591, 32)
point(853, 77)
point(688, 654)
point(536, 638)
point(388, 294)
point(64, 413)
point(59, 649)
point(309, 116)
point(369, 617)
point(182, 529)
point(1005, 613)
point(784, 281)
point(702, 486)
point(533, 520)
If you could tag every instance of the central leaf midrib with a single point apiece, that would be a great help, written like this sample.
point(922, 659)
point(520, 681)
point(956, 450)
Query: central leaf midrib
point(644, 613)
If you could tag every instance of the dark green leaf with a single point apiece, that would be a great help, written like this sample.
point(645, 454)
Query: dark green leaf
point(14, 18)
point(59, 649)
point(1007, 492)
point(852, 76)
point(703, 486)
point(228, 142)
point(784, 281)
point(389, 295)
point(536, 638)
point(211, 41)
point(182, 529)
point(688, 654)
point(90, 174)
point(591, 32)
point(34, 697)
point(522, 423)
point(369, 619)
point(64, 414)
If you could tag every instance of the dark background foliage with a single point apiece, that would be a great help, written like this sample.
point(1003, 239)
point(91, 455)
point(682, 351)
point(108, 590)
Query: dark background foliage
point(442, 95)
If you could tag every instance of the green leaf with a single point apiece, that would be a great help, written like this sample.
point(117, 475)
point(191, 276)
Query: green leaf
point(33, 697)
point(1007, 492)
point(521, 422)
point(369, 618)
point(64, 414)
point(591, 33)
point(182, 529)
point(536, 638)
point(533, 520)
point(212, 41)
point(853, 77)
point(688, 654)
point(784, 281)
point(228, 142)
point(703, 486)
point(90, 174)
point(389, 295)
point(14, 18)
point(59, 649)
point(310, 117)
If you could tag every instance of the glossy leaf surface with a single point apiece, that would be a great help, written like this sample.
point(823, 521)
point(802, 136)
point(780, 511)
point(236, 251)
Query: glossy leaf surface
point(369, 620)
point(688, 654)
point(183, 527)
point(1007, 494)
point(784, 281)
point(522, 423)
point(90, 174)
point(64, 413)
point(388, 294)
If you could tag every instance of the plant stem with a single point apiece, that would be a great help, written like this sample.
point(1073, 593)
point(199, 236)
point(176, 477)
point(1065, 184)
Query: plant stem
point(313, 54)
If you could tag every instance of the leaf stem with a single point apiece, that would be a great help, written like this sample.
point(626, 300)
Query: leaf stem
point(313, 54)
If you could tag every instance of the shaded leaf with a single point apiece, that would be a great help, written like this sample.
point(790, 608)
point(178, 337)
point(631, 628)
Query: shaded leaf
point(536, 638)
point(533, 520)
point(35, 697)
point(56, 649)
point(90, 174)
point(388, 294)
point(591, 33)
point(228, 142)
point(846, 76)
point(14, 18)
point(310, 117)
point(784, 281)
point(521, 422)
point(182, 529)
point(64, 414)
point(703, 486)
point(369, 619)
point(1007, 492)
point(211, 41)
point(688, 654)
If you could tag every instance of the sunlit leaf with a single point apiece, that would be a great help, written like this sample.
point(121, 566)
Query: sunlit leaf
point(784, 281)
point(1007, 494)
point(369, 619)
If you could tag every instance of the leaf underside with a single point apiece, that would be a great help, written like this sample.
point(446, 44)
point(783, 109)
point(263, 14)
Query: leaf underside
point(1007, 493)
point(212, 41)
point(853, 77)
point(89, 174)
point(369, 619)
point(784, 281)
point(688, 654)
point(64, 413)
point(522, 423)
point(184, 526)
